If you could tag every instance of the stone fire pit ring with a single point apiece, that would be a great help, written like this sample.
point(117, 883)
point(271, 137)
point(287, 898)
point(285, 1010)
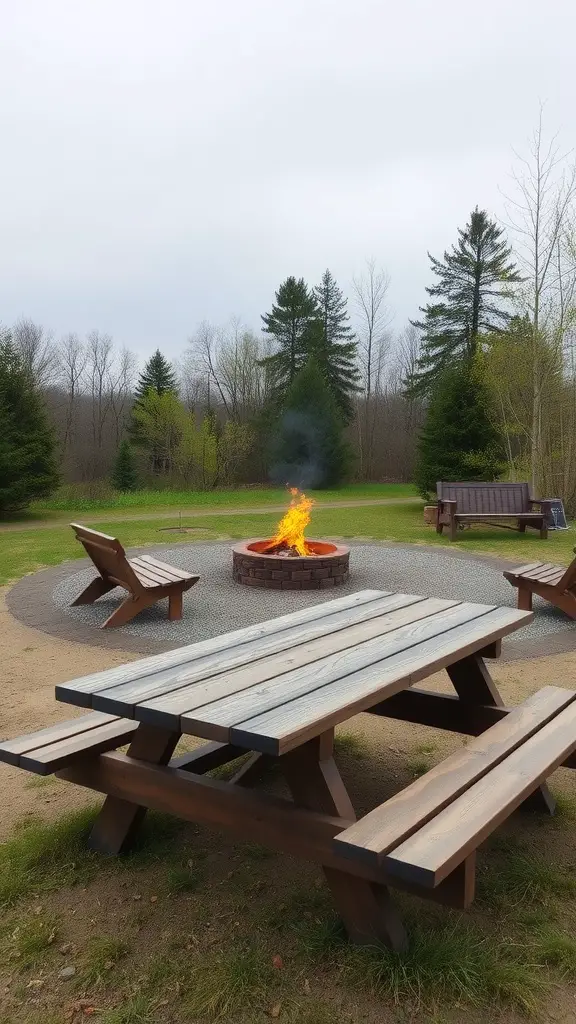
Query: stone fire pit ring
point(327, 567)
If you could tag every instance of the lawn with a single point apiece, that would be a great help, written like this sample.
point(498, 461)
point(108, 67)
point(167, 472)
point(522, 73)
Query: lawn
point(26, 550)
point(71, 500)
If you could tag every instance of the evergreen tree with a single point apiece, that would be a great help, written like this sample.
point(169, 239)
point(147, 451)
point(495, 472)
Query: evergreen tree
point(334, 344)
point(28, 467)
point(459, 440)
point(307, 449)
point(474, 281)
point(157, 376)
point(124, 475)
point(289, 323)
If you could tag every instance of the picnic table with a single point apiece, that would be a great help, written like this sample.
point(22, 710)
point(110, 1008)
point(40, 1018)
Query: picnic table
point(277, 690)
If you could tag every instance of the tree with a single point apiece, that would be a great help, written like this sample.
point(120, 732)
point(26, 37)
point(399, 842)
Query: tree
point(289, 323)
point(370, 292)
point(307, 448)
point(28, 468)
point(542, 219)
point(459, 440)
point(333, 343)
point(124, 475)
point(473, 285)
point(36, 348)
point(159, 421)
point(157, 376)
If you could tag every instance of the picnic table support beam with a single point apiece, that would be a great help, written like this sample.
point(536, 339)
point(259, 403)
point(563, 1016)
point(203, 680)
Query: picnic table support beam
point(118, 822)
point(366, 908)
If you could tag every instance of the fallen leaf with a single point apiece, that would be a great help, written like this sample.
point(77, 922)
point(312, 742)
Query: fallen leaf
point(277, 962)
point(35, 983)
point(153, 899)
point(275, 1011)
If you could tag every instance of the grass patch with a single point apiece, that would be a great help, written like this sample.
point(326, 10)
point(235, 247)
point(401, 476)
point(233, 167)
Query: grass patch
point(184, 879)
point(138, 1009)
point(40, 782)
point(234, 980)
point(46, 856)
point(102, 954)
point(557, 951)
point(518, 879)
point(418, 764)
point(27, 942)
point(350, 744)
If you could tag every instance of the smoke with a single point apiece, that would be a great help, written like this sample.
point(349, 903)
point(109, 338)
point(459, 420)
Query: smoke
point(297, 457)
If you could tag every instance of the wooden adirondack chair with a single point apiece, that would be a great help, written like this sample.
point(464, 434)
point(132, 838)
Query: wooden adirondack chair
point(145, 578)
point(555, 583)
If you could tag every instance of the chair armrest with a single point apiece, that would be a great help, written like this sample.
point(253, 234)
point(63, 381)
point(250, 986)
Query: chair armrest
point(447, 505)
point(544, 503)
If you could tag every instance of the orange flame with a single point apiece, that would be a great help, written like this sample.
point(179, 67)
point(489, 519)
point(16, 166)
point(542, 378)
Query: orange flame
point(290, 531)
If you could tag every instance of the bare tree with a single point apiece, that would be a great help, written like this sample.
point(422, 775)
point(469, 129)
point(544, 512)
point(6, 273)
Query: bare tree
point(370, 291)
point(72, 356)
point(98, 368)
point(541, 216)
point(121, 380)
point(37, 350)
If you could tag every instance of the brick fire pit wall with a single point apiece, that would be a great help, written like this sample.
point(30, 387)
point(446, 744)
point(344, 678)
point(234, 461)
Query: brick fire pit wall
point(327, 567)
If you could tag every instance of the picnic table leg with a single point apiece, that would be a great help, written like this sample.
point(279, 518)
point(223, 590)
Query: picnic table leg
point(367, 909)
point(118, 822)
point(474, 685)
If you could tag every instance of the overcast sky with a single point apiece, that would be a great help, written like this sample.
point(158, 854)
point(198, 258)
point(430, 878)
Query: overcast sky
point(165, 161)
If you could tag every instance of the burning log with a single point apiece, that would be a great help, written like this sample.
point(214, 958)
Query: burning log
point(289, 540)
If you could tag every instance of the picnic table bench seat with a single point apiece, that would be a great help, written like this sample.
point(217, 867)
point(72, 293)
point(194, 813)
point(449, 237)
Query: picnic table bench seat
point(555, 583)
point(146, 579)
point(422, 834)
point(489, 503)
point(58, 746)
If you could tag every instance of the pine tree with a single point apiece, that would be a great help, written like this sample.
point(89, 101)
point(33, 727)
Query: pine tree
point(157, 376)
point(28, 467)
point(124, 475)
point(308, 449)
point(459, 440)
point(289, 323)
point(334, 344)
point(473, 283)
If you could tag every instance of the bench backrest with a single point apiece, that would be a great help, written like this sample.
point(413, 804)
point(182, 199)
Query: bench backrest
point(568, 581)
point(108, 556)
point(496, 498)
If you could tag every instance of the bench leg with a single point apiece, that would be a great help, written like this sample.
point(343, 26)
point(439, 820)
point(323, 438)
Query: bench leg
point(367, 909)
point(175, 605)
point(117, 824)
point(522, 527)
point(129, 608)
point(544, 533)
point(525, 599)
point(95, 589)
point(453, 529)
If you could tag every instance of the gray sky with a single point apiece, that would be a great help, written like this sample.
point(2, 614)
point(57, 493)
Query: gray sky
point(165, 161)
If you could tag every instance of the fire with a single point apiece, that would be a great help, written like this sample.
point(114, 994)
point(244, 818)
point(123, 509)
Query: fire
point(290, 531)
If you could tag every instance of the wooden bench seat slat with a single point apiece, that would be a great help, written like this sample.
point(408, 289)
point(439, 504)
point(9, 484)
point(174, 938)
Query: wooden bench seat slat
point(285, 727)
point(48, 759)
point(439, 846)
point(162, 669)
point(542, 570)
point(499, 515)
point(10, 750)
point(256, 686)
point(159, 576)
point(401, 816)
point(173, 570)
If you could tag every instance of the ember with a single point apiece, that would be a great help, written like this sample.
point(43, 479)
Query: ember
point(289, 540)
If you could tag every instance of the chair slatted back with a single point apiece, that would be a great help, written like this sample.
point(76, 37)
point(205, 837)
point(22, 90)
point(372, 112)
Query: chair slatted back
point(108, 556)
point(488, 498)
point(568, 581)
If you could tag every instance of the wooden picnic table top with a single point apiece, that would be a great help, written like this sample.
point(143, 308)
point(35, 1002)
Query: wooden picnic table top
point(273, 686)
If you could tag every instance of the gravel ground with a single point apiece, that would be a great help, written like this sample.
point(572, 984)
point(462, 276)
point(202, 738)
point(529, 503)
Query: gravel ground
point(217, 604)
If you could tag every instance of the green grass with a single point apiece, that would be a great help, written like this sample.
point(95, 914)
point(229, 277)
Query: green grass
point(350, 744)
point(27, 940)
point(237, 978)
point(72, 499)
point(101, 955)
point(518, 879)
point(25, 551)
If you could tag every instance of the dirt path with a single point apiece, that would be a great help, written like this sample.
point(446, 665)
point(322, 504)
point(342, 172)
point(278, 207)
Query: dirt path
point(194, 513)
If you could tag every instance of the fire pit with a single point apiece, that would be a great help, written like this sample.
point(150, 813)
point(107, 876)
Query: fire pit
point(288, 561)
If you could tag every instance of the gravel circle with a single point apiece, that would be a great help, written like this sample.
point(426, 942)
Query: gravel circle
point(217, 604)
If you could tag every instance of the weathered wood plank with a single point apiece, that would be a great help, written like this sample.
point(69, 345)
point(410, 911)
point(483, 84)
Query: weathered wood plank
point(48, 759)
point(438, 847)
point(289, 725)
point(232, 696)
point(79, 691)
point(400, 817)
point(10, 750)
point(167, 686)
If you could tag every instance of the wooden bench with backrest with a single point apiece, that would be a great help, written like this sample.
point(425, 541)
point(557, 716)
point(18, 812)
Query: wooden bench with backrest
point(432, 829)
point(555, 583)
point(461, 503)
point(146, 579)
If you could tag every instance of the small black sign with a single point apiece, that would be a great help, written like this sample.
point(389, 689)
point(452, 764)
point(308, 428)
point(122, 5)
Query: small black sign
point(557, 517)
